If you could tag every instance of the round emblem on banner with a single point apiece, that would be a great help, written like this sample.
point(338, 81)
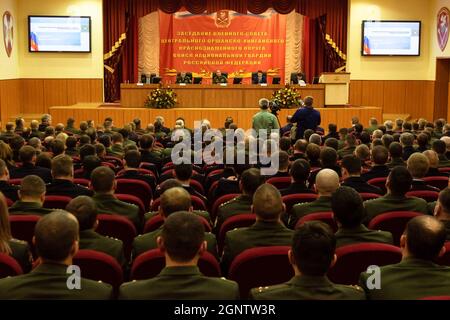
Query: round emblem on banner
point(223, 19)
point(8, 32)
point(443, 20)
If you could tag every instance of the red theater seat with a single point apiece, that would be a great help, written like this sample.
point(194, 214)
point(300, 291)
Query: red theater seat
point(237, 221)
point(292, 199)
point(135, 188)
point(56, 202)
point(9, 267)
point(326, 217)
point(428, 196)
point(280, 182)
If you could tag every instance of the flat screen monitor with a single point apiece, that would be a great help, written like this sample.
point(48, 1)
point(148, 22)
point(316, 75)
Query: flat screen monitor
point(59, 34)
point(276, 80)
point(316, 80)
point(390, 38)
point(237, 81)
point(197, 80)
point(156, 80)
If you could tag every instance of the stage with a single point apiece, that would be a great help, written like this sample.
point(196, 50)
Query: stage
point(242, 116)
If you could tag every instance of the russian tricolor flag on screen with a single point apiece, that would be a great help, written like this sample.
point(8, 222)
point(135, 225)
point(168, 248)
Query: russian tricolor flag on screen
point(366, 46)
point(33, 42)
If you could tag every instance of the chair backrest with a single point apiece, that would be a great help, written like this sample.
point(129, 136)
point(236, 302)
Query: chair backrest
point(292, 199)
point(355, 258)
point(157, 221)
point(326, 217)
point(9, 202)
point(81, 181)
point(444, 169)
point(198, 203)
point(136, 188)
point(140, 170)
point(369, 196)
point(9, 267)
point(128, 198)
point(15, 182)
point(56, 202)
point(378, 182)
point(197, 186)
point(445, 258)
point(219, 201)
point(280, 182)
point(150, 167)
point(394, 222)
point(263, 266)
point(118, 227)
point(150, 264)
point(237, 221)
point(114, 160)
point(439, 182)
point(22, 227)
point(428, 196)
point(99, 266)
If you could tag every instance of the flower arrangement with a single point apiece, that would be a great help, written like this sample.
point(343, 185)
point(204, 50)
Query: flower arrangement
point(161, 98)
point(287, 97)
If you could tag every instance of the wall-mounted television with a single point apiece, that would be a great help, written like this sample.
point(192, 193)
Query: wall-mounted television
point(59, 34)
point(390, 38)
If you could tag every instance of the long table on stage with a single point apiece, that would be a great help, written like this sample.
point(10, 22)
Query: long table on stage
point(216, 96)
point(242, 116)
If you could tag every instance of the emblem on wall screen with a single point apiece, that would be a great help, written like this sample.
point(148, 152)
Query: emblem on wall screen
point(223, 19)
point(443, 20)
point(8, 32)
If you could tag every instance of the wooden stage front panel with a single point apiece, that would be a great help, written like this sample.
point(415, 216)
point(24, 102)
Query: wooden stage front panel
point(243, 117)
point(216, 96)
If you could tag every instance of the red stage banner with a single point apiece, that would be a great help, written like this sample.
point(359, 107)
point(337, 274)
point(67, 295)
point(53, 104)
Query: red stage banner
point(235, 43)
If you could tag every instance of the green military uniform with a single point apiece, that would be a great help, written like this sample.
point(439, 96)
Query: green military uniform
point(360, 234)
point(91, 240)
point(410, 279)
point(265, 120)
point(371, 129)
point(201, 213)
point(72, 130)
point(108, 204)
point(219, 79)
point(395, 162)
point(443, 161)
point(116, 151)
point(389, 203)
point(260, 234)
point(146, 242)
point(128, 142)
point(20, 251)
point(346, 151)
point(185, 79)
point(321, 204)
point(49, 281)
point(28, 208)
point(180, 283)
point(308, 288)
point(238, 205)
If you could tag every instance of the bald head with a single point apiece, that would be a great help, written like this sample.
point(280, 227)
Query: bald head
point(432, 157)
point(327, 182)
point(267, 203)
point(175, 199)
point(424, 237)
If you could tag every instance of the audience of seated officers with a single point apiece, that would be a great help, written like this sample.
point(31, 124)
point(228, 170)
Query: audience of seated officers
point(85, 210)
point(348, 212)
point(56, 239)
point(416, 276)
point(268, 229)
point(27, 155)
point(182, 240)
point(172, 200)
point(311, 255)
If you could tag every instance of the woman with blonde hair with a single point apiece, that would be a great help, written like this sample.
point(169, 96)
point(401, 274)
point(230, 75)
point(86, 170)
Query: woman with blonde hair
point(17, 249)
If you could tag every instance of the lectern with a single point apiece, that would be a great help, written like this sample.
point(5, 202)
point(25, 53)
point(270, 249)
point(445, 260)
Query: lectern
point(336, 88)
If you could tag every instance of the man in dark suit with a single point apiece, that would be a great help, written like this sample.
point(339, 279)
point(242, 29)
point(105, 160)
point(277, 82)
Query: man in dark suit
point(379, 169)
point(442, 210)
point(27, 155)
point(132, 160)
point(299, 172)
point(184, 77)
point(259, 77)
point(62, 184)
point(416, 276)
point(31, 198)
point(85, 210)
point(267, 230)
point(312, 254)
point(104, 184)
point(182, 241)
point(348, 211)
point(8, 190)
point(148, 153)
point(56, 240)
point(306, 118)
point(418, 165)
point(398, 184)
point(351, 173)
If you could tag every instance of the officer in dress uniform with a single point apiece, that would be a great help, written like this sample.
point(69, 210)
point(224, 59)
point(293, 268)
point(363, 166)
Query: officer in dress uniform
point(183, 77)
point(218, 77)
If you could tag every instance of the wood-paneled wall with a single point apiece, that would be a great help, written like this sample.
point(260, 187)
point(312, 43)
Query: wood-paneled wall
point(35, 96)
point(414, 97)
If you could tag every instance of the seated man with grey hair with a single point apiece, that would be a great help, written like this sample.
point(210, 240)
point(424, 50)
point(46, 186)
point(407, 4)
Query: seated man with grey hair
point(418, 165)
point(407, 141)
point(264, 119)
point(46, 120)
point(316, 139)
